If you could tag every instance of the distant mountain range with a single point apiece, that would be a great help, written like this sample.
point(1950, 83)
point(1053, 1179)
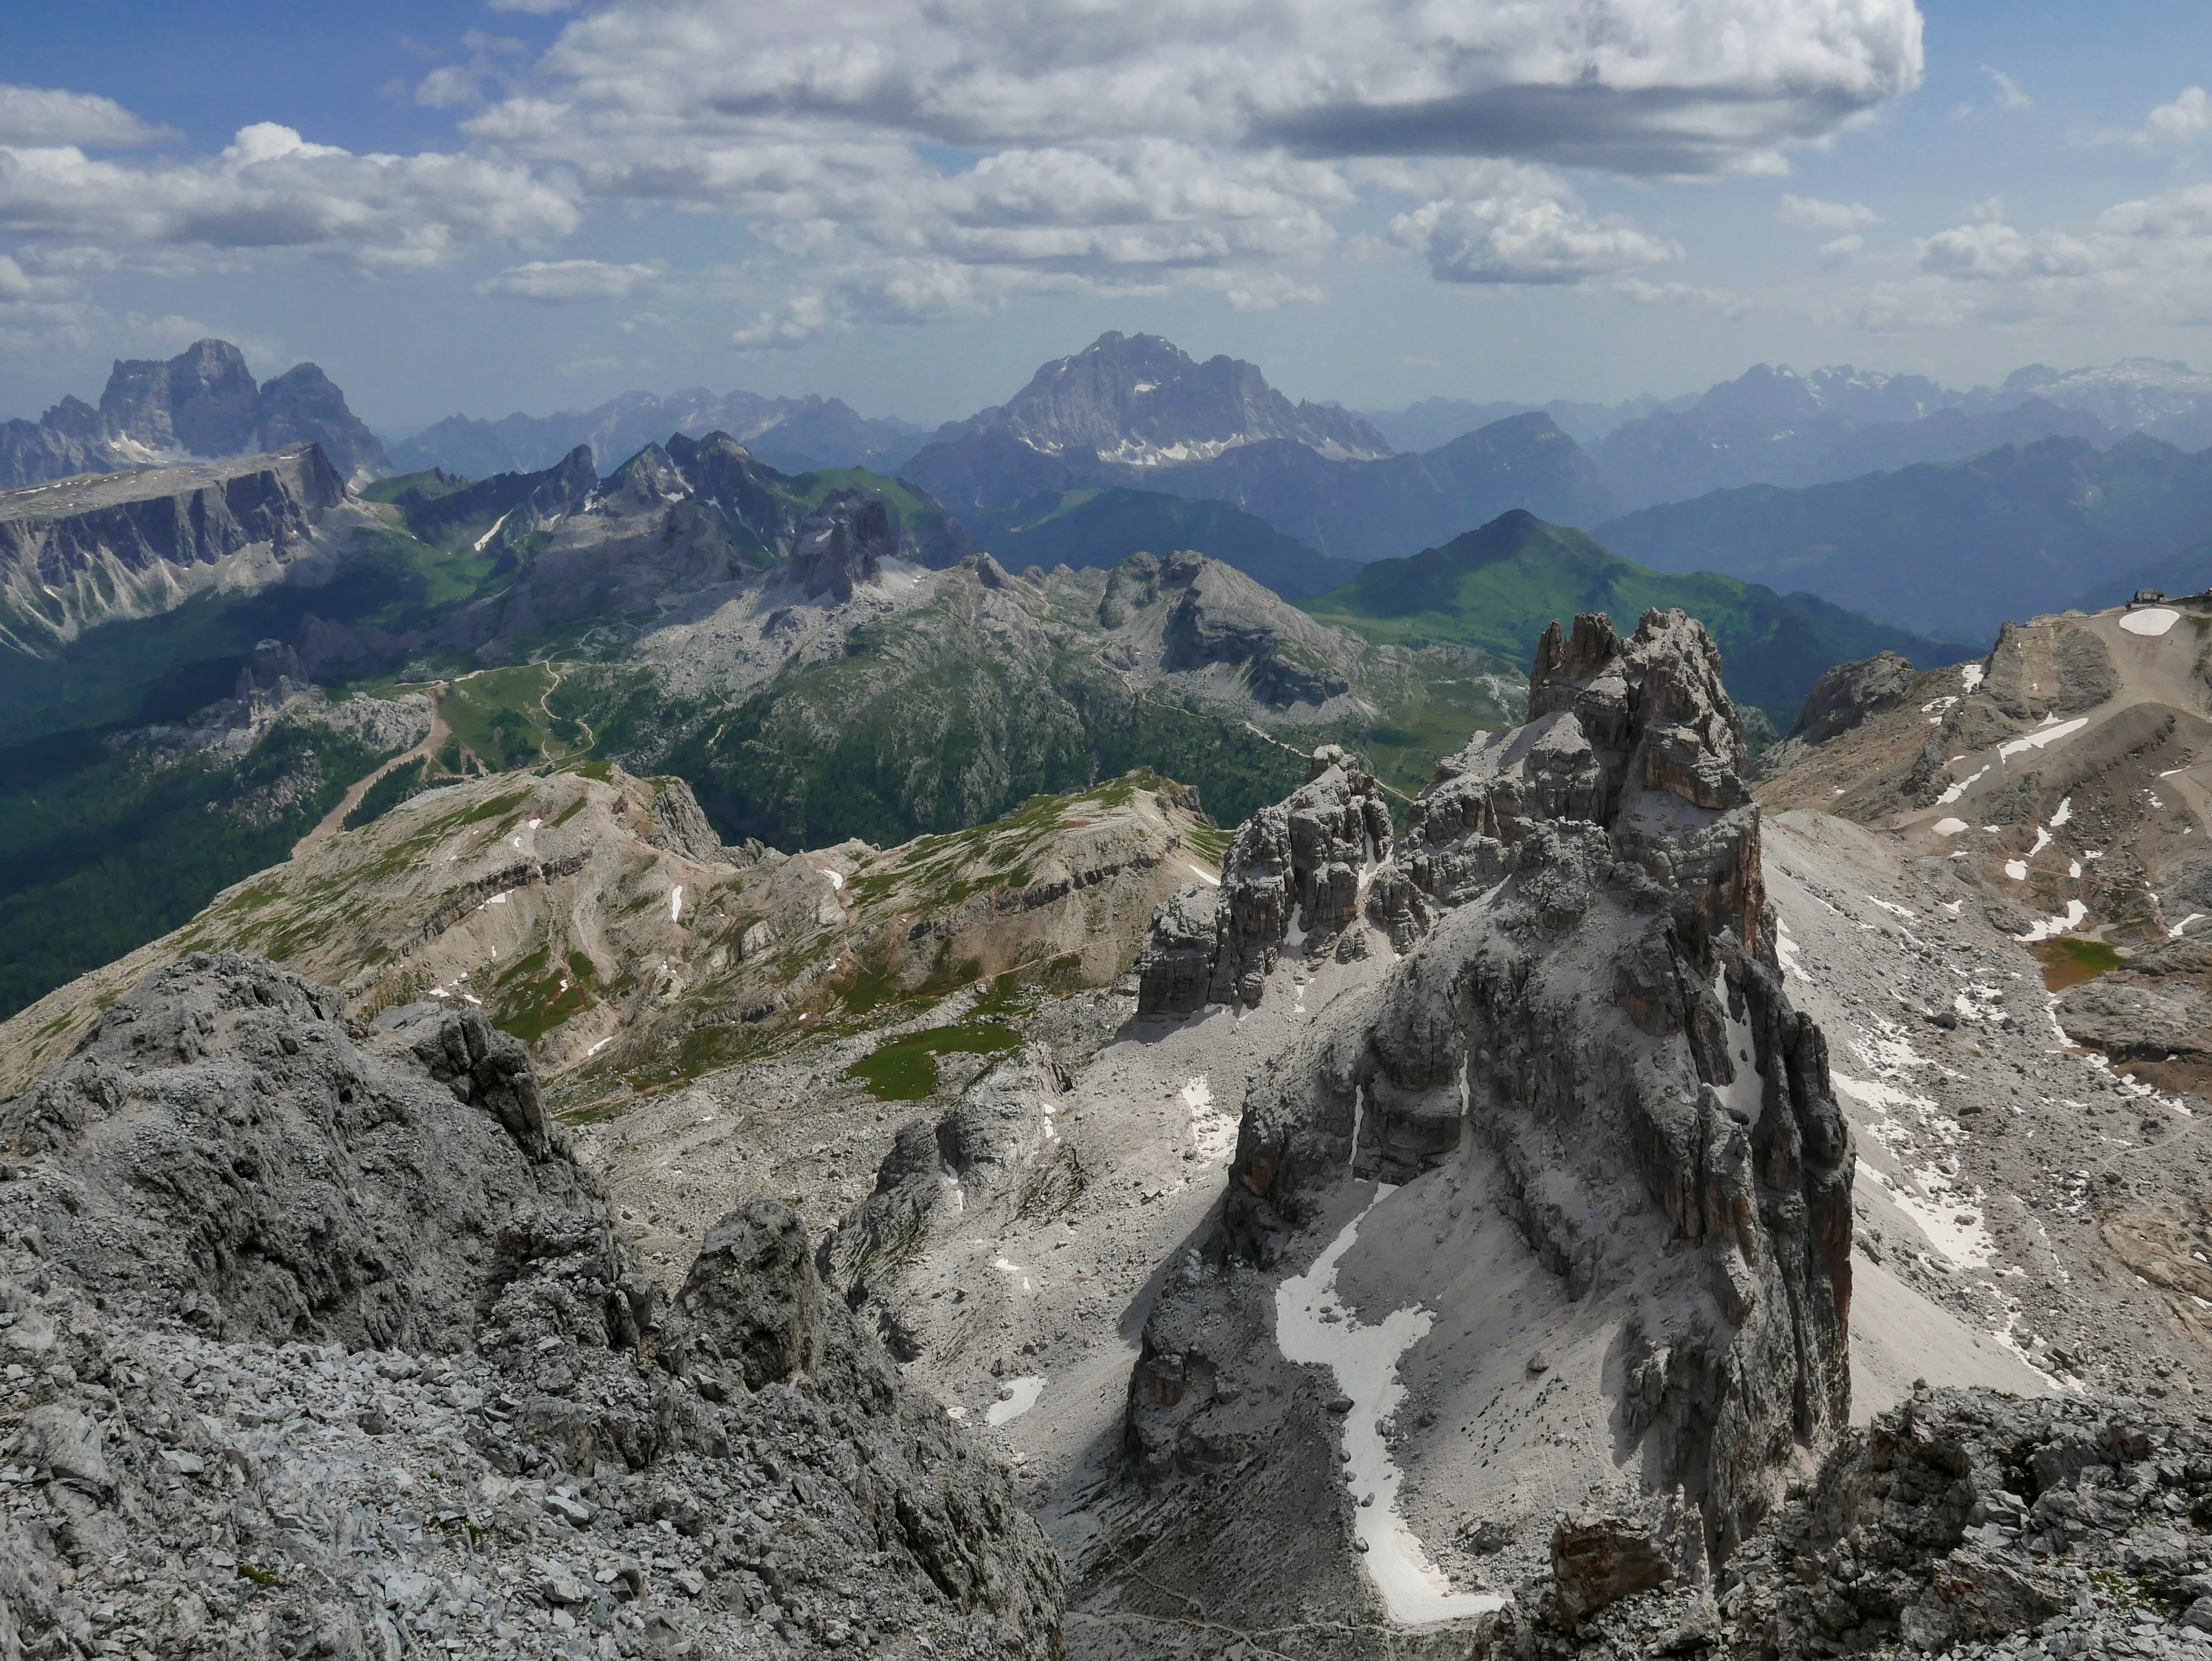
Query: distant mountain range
point(1133, 412)
point(1082, 466)
point(792, 435)
point(1951, 550)
point(202, 402)
point(1496, 588)
point(1772, 425)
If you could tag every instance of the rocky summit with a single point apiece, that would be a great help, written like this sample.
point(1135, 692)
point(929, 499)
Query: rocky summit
point(1576, 1055)
point(319, 1342)
point(202, 402)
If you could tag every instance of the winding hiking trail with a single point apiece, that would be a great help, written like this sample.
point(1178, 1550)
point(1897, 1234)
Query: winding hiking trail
point(328, 826)
point(439, 732)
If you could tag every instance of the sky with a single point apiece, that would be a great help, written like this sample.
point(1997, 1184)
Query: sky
point(488, 205)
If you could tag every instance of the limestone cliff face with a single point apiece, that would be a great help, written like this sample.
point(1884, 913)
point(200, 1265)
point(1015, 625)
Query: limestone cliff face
point(203, 402)
point(1586, 1014)
point(1301, 864)
point(81, 551)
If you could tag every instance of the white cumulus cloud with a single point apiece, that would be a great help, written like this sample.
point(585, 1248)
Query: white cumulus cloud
point(1525, 229)
point(2151, 256)
point(908, 159)
point(569, 281)
point(49, 115)
point(271, 193)
point(2187, 119)
point(1810, 213)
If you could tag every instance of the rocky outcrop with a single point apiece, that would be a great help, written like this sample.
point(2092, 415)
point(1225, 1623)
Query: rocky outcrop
point(1139, 400)
point(200, 401)
point(842, 545)
point(236, 1159)
point(291, 1291)
point(2052, 1527)
point(2048, 666)
point(751, 1308)
point(303, 406)
point(1299, 864)
point(1213, 622)
point(680, 825)
point(1850, 693)
point(1587, 1008)
point(203, 402)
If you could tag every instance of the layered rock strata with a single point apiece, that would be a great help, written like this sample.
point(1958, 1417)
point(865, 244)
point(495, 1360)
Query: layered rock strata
point(81, 552)
point(1587, 1025)
point(319, 1342)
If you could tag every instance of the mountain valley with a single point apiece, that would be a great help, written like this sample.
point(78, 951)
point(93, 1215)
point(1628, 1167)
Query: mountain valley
point(1168, 1033)
point(1664, 1136)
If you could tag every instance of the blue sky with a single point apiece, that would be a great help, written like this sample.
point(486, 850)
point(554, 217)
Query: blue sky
point(465, 208)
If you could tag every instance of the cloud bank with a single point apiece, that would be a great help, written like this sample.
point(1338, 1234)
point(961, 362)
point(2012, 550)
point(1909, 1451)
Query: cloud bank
point(901, 160)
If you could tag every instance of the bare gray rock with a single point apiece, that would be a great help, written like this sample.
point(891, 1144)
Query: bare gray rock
point(1849, 693)
point(219, 1220)
point(841, 546)
point(752, 1302)
point(1297, 864)
point(1599, 1560)
point(1589, 999)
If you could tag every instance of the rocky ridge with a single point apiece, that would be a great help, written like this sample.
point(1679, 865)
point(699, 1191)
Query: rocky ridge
point(670, 533)
point(1578, 1001)
point(794, 434)
point(201, 403)
point(600, 915)
point(395, 1380)
point(85, 551)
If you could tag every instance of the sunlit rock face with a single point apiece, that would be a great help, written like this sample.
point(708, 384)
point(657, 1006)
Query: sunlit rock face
point(1574, 1017)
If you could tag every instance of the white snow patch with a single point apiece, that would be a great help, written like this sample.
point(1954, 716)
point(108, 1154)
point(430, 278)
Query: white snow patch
point(836, 879)
point(1959, 789)
point(675, 902)
point(2073, 869)
point(1211, 1129)
point(1021, 1395)
point(1746, 1094)
point(2042, 841)
point(2043, 929)
point(1951, 1221)
point(2042, 738)
point(1949, 827)
point(485, 541)
point(1970, 676)
point(2064, 813)
point(1364, 1360)
point(1785, 953)
point(2151, 620)
point(1005, 1267)
point(2174, 933)
point(1203, 876)
point(2016, 869)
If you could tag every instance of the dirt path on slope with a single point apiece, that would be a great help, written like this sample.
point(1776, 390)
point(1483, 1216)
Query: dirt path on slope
point(331, 821)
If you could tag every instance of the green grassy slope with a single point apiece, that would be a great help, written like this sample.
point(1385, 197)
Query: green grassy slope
point(1496, 587)
point(1101, 528)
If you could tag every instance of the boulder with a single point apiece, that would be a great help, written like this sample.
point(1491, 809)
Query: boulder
point(1598, 1560)
point(752, 1302)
